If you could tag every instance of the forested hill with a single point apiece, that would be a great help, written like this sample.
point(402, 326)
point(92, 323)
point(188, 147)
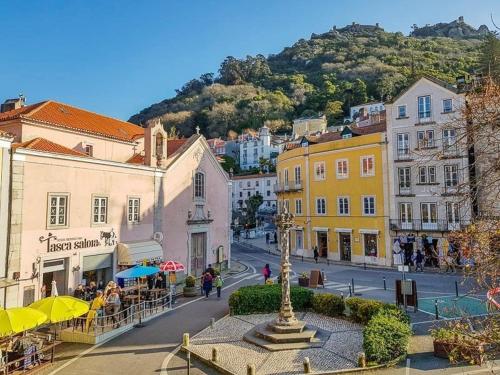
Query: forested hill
point(326, 73)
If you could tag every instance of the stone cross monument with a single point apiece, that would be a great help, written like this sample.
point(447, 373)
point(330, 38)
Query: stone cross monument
point(286, 316)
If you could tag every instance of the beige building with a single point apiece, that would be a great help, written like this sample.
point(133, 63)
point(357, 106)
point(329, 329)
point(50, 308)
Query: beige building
point(309, 126)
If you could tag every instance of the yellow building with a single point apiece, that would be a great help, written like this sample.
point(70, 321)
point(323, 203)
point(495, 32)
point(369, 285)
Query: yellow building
point(336, 185)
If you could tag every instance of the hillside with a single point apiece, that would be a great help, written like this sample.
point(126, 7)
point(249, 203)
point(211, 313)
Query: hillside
point(326, 73)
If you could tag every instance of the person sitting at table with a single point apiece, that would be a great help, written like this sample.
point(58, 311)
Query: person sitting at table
point(91, 290)
point(159, 282)
point(79, 292)
point(96, 308)
point(113, 305)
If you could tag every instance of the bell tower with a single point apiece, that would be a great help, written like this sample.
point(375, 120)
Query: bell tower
point(155, 144)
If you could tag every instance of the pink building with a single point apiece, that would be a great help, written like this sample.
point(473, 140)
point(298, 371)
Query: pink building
point(91, 194)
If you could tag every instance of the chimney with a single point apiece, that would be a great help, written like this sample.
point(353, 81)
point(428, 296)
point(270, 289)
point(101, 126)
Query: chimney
point(11, 104)
point(461, 19)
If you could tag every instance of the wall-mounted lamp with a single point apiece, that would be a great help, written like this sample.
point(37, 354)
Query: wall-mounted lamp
point(76, 268)
point(209, 214)
point(190, 214)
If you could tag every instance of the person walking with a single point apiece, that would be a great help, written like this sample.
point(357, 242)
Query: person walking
point(207, 283)
point(210, 270)
point(267, 238)
point(266, 272)
point(218, 284)
point(419, 260)
point(316, 254)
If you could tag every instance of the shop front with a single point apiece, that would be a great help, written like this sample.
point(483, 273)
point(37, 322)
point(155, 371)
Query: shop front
point(139, 252)
point(98, 269)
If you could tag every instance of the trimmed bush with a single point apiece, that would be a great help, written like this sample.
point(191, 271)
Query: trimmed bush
point(362, 310)
point(256, 299)
point(386, 337)
point(328, 304)
point(190, 281)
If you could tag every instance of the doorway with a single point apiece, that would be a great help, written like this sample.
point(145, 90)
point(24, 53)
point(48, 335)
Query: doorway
point(323, 244)
point(198, 253)
point(345, 246)
point(55, 270)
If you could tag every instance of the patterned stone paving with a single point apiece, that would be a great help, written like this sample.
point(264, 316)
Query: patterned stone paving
point(339, 352)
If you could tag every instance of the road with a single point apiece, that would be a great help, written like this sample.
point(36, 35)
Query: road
point(153, 348)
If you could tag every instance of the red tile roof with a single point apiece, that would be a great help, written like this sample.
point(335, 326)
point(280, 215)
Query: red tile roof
point(258, 175)
point(69, 117)
point(174, 144)
point(44, 145)
point(136, 159)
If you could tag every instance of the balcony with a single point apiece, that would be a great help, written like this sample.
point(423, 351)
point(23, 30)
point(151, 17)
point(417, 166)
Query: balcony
point(288, 186)
point(404, 155)
point(451, 151)
point(429, 226)
point(425, 119)
point(405, 191)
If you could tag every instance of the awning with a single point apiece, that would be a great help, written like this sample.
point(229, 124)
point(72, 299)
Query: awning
point(132, 253)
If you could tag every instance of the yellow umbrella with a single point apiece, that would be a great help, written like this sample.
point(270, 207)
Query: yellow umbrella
point(61, 308)
point(19, 319)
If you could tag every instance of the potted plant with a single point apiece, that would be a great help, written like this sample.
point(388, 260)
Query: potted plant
point(190, 289)
point(304, 279)
point(456, 347)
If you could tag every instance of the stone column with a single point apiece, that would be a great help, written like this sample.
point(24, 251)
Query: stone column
point(286, 316)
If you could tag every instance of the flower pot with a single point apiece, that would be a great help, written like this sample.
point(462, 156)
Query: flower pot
point(304, 281)
point(190, 291)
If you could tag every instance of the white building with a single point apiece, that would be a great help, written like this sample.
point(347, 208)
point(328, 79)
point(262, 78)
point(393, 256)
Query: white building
point(309, 126)
point(246, 186)
point(429, 166)
point(253, 148)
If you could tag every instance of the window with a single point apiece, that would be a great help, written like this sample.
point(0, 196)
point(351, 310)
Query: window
point(159, 144)
point(447, 106)
point(255, 152)
point(321, 206)
point(240, 184)
point(58, 210)
point(401, 111)
point(428, 214)
point(255, 143)
point(404, 178)
point(425, 139)
point(403, 144)
point(370, 244)
point(342, 168)
point(297, 174)
point(426, 175)
point(268, 193)
point(199, 185)
point(268, 182)
point(285, 174)
point(449, 138)
point(367, 166)
point(319, 171)
point(369, 205)
point(89, 150)
point(431, 174)
point(245, 145)
point(343, 205)
point(347, 136)
point(298, 206)
point(133, 210)
point(452, 212)
point(249, 183)
point(405, 212)
point(241, 194)
point(298, 239)
point(451, 175)
point(422, 175)
point(100, 210)
point(248, 194)
point(424, 107)
point(286, 203)
point(256, 183)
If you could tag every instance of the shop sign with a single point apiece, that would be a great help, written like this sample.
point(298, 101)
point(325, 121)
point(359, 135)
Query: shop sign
point(55, 244)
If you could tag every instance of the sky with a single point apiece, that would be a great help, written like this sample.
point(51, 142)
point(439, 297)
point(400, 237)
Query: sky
point(116, 57)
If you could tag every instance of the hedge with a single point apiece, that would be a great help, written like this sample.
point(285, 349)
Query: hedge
point(328, 304)
point(267, 299)
point(386, 337)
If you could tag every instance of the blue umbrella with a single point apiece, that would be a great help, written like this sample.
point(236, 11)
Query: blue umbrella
point(135, 273)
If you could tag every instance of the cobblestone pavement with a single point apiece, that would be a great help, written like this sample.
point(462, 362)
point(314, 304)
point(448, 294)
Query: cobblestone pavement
point(339, 352)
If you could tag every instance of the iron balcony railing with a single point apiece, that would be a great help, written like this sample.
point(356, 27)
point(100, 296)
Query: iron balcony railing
point(288, 186)
point(452, 151)
point(424, 225)
point(405, 190)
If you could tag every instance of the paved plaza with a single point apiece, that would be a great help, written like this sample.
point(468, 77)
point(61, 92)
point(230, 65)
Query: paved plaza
point(340, 350)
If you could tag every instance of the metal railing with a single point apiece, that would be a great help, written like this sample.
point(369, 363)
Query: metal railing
point(404, 155)
point(431, 226)
point(405, 190)
point(135, 313)
point(30, 362)
point(288, 186)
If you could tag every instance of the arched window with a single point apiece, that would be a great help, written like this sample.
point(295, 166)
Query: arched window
point(199, 185)
point(159, 145)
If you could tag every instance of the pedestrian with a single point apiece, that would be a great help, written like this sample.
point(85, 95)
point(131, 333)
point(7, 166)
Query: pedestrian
point(218, 284)
point(79, 292)
point(267, 238)
point(113, 305)
point(207, 283)
point(210, 270)
point(96, 309)
point(266, 272)
point(275, 237)
point(316, 254)
point(419, 262)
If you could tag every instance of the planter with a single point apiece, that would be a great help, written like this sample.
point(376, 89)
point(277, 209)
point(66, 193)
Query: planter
point(443, 349)
point(190, 291)
point(304, 281)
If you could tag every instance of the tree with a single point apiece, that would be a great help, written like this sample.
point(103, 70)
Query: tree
point(359, 95)
point(334, 112)
point(489, 60)
point(229, 164)
point(252, 206)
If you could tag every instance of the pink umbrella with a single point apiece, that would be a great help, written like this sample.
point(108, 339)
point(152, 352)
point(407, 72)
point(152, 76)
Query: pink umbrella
point(172, 266)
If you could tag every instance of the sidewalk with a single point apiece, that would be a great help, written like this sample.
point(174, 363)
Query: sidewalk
point(260, 243)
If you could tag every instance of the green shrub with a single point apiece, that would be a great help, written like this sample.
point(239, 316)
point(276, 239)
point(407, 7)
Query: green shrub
point(266, 299)
point(328, 304)
point(393, 311)
point(190, 281)
point(362, 310)
point(386, 337)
